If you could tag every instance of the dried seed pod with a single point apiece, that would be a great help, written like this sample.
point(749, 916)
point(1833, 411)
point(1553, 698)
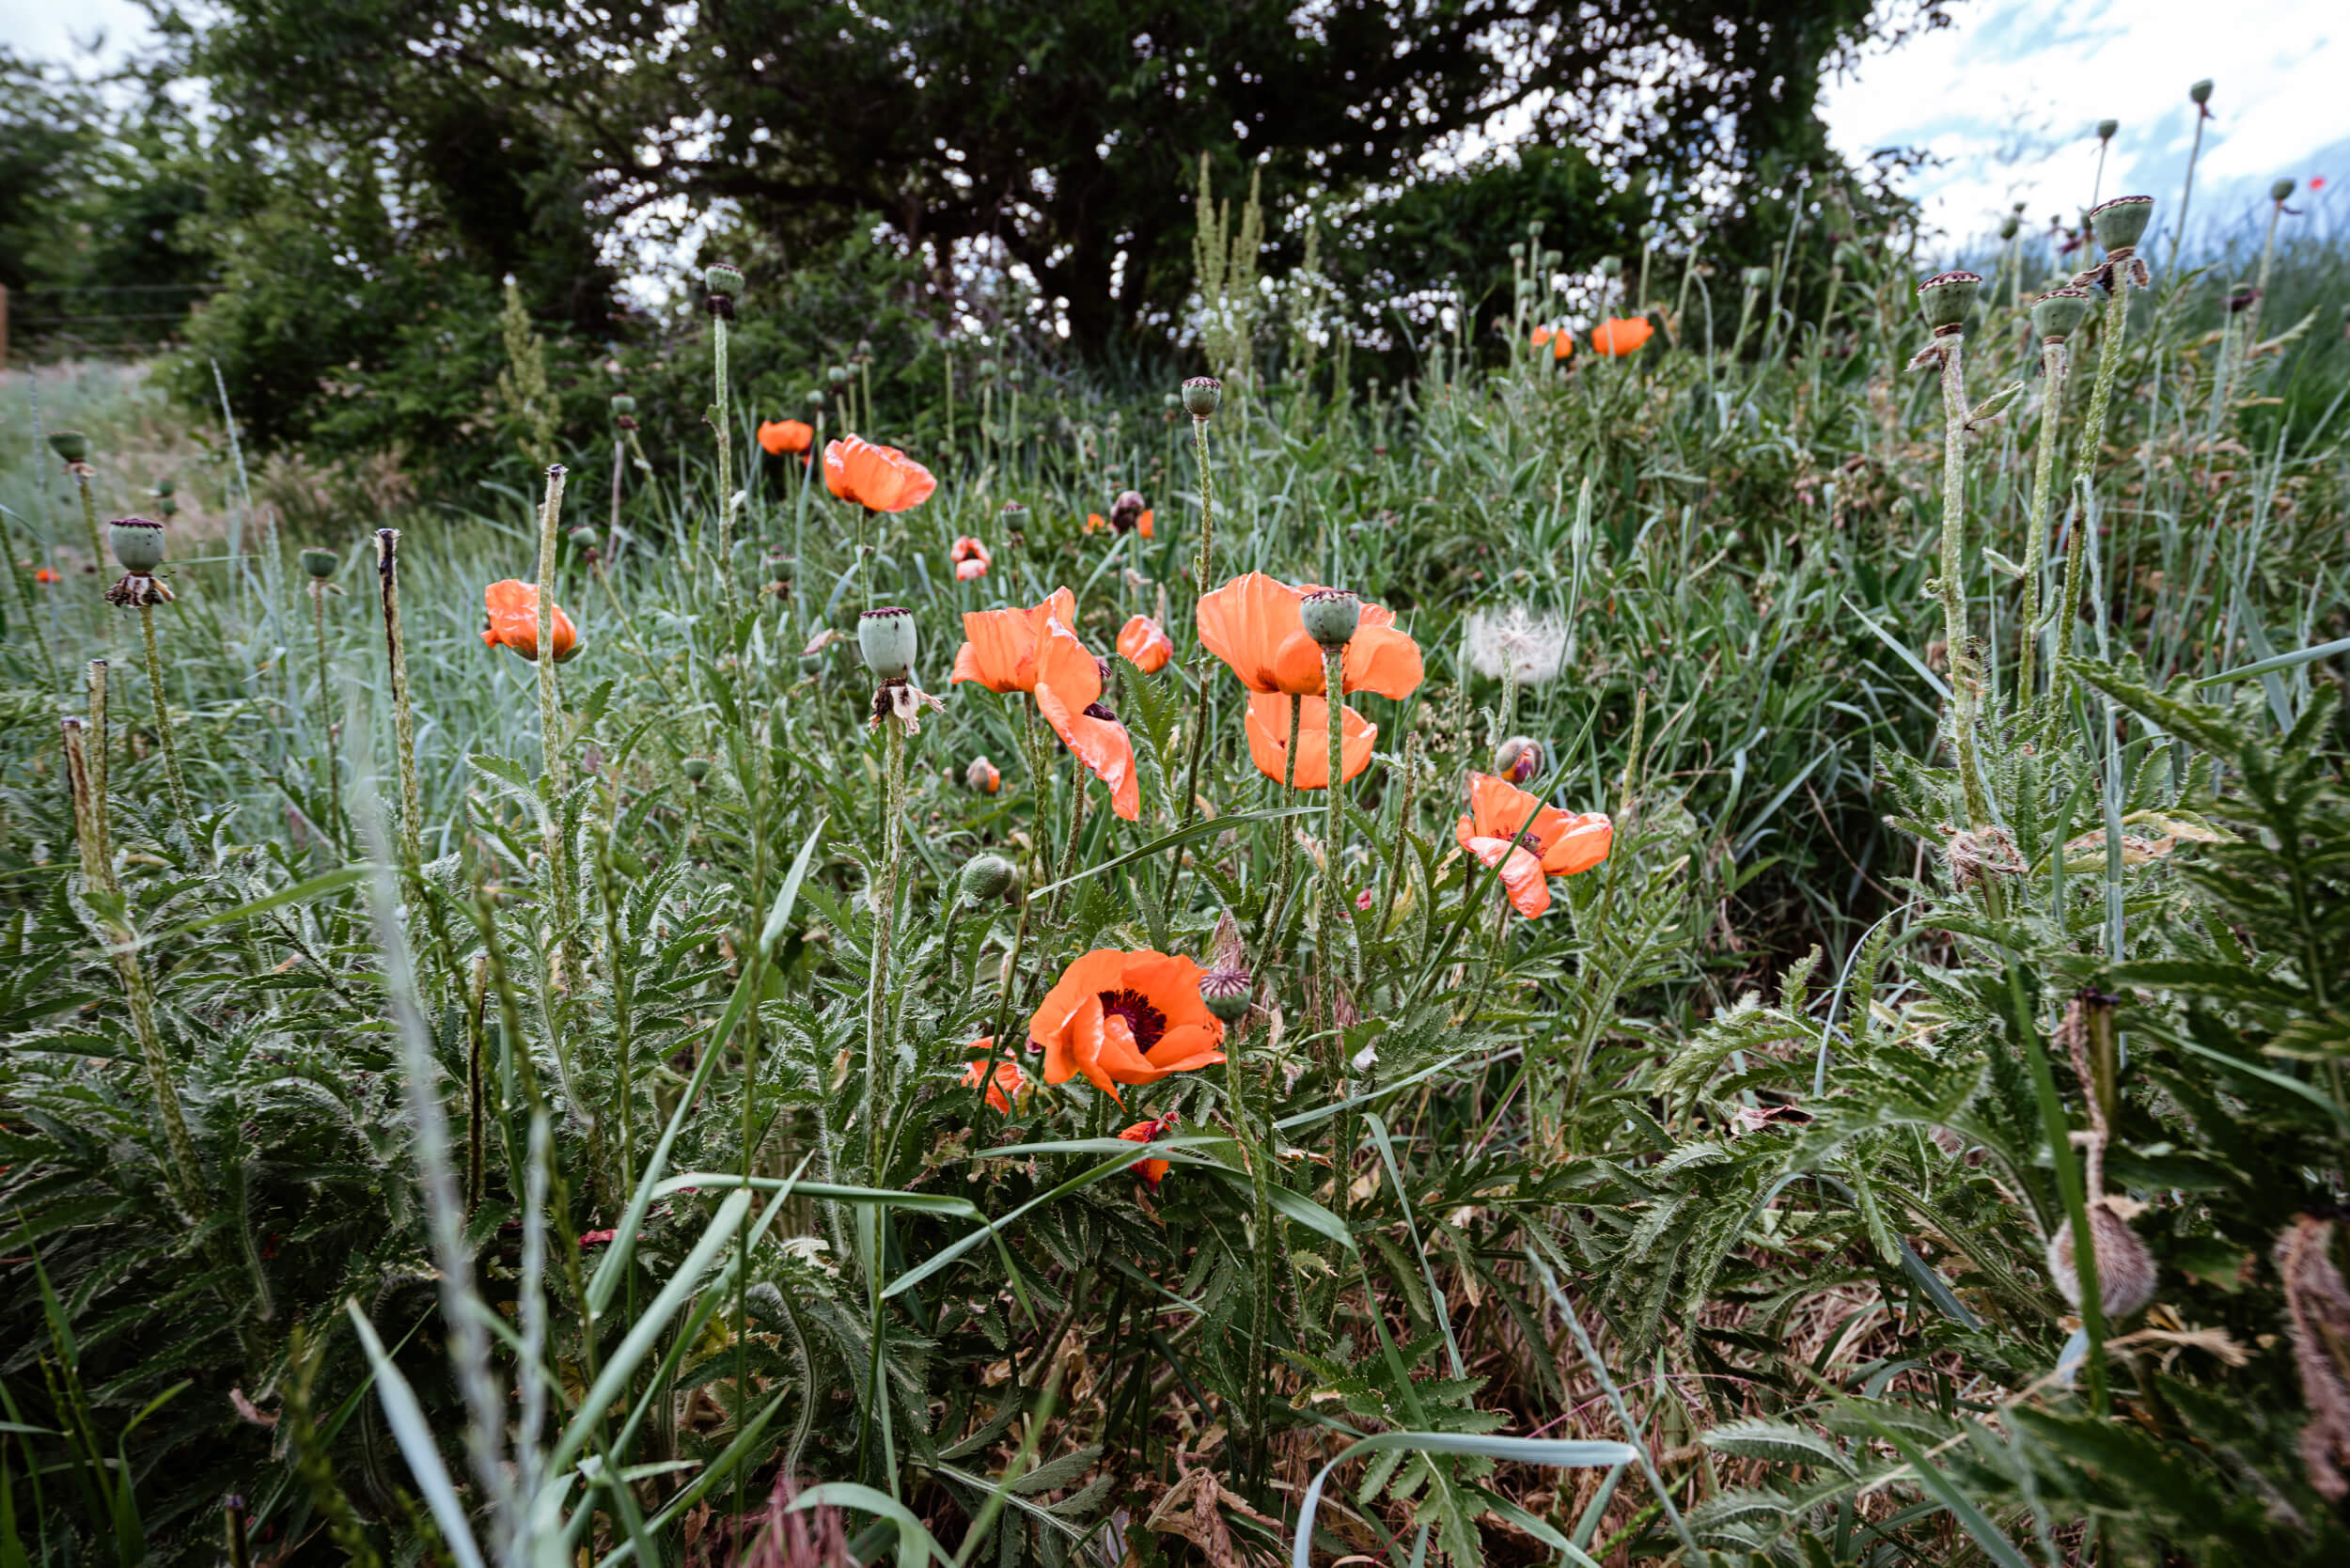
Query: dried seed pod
point(2125, 1270)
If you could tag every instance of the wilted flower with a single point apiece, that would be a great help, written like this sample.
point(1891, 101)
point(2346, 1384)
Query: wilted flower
point(1146, 645)
point(970, 558)
point(1153, 1171)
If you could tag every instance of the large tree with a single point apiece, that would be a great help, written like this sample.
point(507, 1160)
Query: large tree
point(1066, 132)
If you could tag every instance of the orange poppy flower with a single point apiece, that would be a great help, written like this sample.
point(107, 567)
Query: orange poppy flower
point(1153, 1171)
point(1269, 737)
point(1009, 1079)
point(46, 575)
point(1117, 1017)
point(1146, 645)
point(1069, 694)
point(970, 557)
point(880, 478)
point(1621, 336)
point(1257, 626)
point(1561, 343)
point(1001, 646)
point(1538, 840)
point(778, 437)
point(513, 611)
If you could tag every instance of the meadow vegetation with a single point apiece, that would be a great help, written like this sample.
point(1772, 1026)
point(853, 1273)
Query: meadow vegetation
point(889, 1043)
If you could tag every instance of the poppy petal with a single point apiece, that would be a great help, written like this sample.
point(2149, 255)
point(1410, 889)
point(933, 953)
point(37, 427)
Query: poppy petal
point(1520, 874)
point(1267, 724)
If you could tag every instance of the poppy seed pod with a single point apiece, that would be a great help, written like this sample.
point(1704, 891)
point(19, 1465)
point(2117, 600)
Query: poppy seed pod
point(167, 504)
point(1946, 298)
point(137, 542)
point(2058, 313)
point(2280, 192)
point(2106, 128)
point(723, 277)
point(2201, 92)
point(582, 538)
point(836, 373)
point(2009, 225)
point(1015, 375)
point(695, 769)
point(1518, 250)
point(885, 637)
point(72, 445)
point(622, 404)
point(1758, 278)
point(321, 564)
point(2125, 1270)
point(1609, 266)
point(986, 877)
point(1226, 994)
point(2120, 223)
point(1330, 616)
point(165, 487)
point(1202, 394)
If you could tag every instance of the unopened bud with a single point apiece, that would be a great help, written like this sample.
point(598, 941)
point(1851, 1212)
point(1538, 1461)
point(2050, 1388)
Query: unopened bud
point(2106, 128)
point(582, 538)
point(983, 777)
point(137, 542)
point(1331, 616)
point(887, 638)
point(986, 877)
point(2125, 1270)
point(2280, 192)
point(1202, 394)
point(2009, 225)
point(1518, 758)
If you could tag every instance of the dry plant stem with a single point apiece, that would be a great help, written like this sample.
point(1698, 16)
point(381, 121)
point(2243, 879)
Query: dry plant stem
point(403, 718)
point(2052, 361)
point(179, 804)
point(326, 712)
point(1966, 688)
point(186, 1175)
point(2092, 438)
point(883, 897)
point(100, 806)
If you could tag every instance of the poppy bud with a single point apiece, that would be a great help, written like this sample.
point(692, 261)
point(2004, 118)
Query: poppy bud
point(2120, 223)
point(1226, 994)
point(2280, 192)
point(321, 564)
point(2125, 1270)
point(987, 877)
point(885, 637)
point(1518, 758)
point(1758, 278)
point(982, 777)
point(695, 769)
point(723, 277)
point(622, 404)
point(2106, 128)
point(165, 487)
point(582, 538)
point(2009, 225)
point(137, 542)
point(1330, 616)
point(2200, 92)
point(167, 504)
point(1946, 297)
point(72, 445)
point(1202, 394)
point(2058, 313)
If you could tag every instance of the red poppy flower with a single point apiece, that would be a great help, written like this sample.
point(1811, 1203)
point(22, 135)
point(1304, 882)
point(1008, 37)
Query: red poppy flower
point(1000, 652)
point(778, 437)
point(1146, 645)
point(596, 1238)
point(881, 479)
point(970, 557)
point(513, 612)
point(1257, 626)
point(1117, 1017)
point(1008, 1078)
point(1268, 726)
point(1069, 694)
point(1153, 1171)
point(1528, 840)
point(1624, 336)
point(45, 575)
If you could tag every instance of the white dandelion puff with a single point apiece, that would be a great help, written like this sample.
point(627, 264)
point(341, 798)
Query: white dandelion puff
point(1528, 647)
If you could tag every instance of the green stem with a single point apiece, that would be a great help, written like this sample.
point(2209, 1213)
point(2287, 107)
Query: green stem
point(89, 517)
point(885, 900)
point(552, 742)
point(1327, 927)
point(1965, 689)
point(100, 819)
point(404, 720)
point(2052, 361)
point(2093, 441)
point(326, 712)
point(178, 781)
point(719, 418)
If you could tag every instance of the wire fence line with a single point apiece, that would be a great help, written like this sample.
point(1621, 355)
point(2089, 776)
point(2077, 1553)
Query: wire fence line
point(56, 321)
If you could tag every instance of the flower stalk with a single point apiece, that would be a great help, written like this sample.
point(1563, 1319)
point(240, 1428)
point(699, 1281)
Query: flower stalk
point(552, 742)
point(101, 823)
point(2055, 317)
point(403, 718)
point(1946, 298)
point(2118, 226)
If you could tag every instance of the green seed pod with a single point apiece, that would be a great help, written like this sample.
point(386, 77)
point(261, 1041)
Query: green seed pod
point(321, 564)
point(1534, 229)
point(864, 347)
point(723, 277)
point(2281, 192)
point(1331, 616)
point(137, 542)
point(1948, 297)
point(2106, 128)
point(987, 877)
point(815, 399)
point(165, 487)
point(887, 638)
point(584, 538)
point(1202, 394)
point(72, 445)
point(1610, 266)
point(1757, 278)
point(836, 373)
point(1226, 994)
point(2200, 92)
point(695, 769)
point(987, 368)
point(169, 505)
point(2058, 313)
point(622, 404)
point(2120, 223)
point(1518, 250)
point(2009, 225)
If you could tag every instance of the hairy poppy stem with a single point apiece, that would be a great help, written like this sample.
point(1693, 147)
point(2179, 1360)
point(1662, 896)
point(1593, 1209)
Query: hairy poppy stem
point(2052, 363)
point(25, 600)
point(551, 741)
point(90, 516)
point(1327, 927)
point(726, 464)
point(2092, 438)
point(883, 897)
point(180, 804)
point(1966, 688)
point(100, 807)
point(403, 718)
point(326, 710)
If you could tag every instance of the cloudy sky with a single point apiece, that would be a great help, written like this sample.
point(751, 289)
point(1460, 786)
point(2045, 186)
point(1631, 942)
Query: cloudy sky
point(2007, 97)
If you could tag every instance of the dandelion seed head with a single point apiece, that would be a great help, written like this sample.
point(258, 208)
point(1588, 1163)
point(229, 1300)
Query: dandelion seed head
point(1528, 646)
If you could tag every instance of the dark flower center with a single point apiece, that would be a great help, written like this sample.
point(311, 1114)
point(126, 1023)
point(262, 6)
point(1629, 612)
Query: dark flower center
point(1147, 1022)
point(1095, 710)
